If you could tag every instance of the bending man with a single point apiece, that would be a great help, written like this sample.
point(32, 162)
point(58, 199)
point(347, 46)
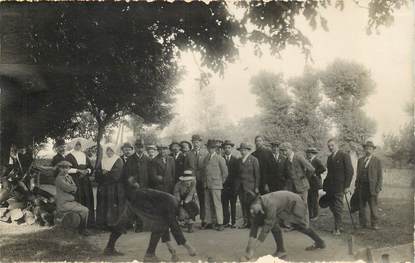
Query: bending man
point(268, 211)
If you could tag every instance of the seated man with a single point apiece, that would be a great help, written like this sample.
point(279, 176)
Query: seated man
point(185, 193)
point(159, 208)
point(268, 211)
point(65, 196)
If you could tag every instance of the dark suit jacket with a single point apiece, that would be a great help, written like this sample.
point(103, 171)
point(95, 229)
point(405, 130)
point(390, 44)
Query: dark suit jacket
point(297, 172)
point(277, 179)
point(138, 168)
point(179, 163)
point(249, 174)
point(163, 174)
point(195, 163)
point(233, 169)
point(339, 173)
point(315, 179)
point(375, 174)
point(265, 159)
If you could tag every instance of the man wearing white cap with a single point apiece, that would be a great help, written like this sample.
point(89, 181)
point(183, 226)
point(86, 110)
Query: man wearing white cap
point(185, 193)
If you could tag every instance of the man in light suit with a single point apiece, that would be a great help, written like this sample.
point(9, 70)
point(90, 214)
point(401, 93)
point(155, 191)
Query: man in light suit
point(248, 180)
point(297, 170)
point(369, 183)
point(337, 182)
point(215, 173)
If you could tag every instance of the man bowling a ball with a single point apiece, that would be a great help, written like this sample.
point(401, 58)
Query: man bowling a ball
point(158, 208)
point(269, 211)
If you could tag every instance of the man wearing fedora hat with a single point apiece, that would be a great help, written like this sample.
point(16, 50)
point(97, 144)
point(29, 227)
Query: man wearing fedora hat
point(178, 156)
point(230, 192)
point(248, 179)
point(194, 161)
point(315, 182)
point(369, 184)
point(215, 173)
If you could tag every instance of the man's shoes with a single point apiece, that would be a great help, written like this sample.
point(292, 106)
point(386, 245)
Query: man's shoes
point(375, 227)
point(207, 226)
point(280, 254)
point(244, 225)
point(219, 227)
point(232, 225)
point(150, 258)
point(336, 232)
point(112, 252)
point(316, 246)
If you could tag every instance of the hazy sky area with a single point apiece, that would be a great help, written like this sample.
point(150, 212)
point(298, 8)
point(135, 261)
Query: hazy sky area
point(388, 56)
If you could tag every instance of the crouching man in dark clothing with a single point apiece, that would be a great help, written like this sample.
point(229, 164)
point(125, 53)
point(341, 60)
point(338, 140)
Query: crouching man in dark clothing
point(159, 208)
point(269, 211)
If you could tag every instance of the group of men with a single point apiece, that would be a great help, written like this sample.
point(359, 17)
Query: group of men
point(222, 177)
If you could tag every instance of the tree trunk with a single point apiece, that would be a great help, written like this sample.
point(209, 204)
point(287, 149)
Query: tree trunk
point(100, 134)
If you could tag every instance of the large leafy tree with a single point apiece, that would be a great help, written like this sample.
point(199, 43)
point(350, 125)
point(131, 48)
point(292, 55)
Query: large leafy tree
point(111, 59)
point(348, 85)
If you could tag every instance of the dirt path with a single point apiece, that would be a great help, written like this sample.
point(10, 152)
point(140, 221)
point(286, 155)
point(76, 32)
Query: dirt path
point(228, 245)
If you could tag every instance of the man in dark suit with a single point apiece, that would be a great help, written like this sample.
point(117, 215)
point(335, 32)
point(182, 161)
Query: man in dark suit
point(229, 192)
point(137, 166)
point(163, 174)
point(369, 183)
point(265, 159)
point(194, 162)
point(248, 180)
point(179, 159)
point(315, 182)
point(137, 170)
point(59, 147)
point(297, 170)
point(276, 182)
point(337, 182)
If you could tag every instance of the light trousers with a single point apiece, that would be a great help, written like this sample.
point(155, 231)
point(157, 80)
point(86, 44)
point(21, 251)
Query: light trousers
point(213, 206)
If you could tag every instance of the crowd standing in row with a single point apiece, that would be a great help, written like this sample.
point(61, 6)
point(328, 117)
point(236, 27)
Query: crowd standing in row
point(209, 182)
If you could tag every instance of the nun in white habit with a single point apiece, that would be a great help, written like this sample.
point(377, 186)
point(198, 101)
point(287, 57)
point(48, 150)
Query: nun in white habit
point(110, 194)
point(81, 173)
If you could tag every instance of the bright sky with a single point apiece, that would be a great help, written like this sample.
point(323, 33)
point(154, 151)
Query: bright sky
point(388, 56)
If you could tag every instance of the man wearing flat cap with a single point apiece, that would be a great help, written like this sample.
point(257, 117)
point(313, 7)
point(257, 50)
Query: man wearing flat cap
point(276, 181)
point(215, 173)
point(315, 182)
point(59, 147)
point(248, 179)
point(230, 191)
point(163, 175)
point(178, 156)
point(137, 171)
point(369, 184)
point(297, 170)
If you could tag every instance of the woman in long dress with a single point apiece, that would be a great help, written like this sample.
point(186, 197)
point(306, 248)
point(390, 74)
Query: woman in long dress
point(110, 194)
point(81, 173)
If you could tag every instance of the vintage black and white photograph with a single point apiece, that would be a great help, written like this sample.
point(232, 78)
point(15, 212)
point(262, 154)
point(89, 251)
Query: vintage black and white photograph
point(207, 131)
